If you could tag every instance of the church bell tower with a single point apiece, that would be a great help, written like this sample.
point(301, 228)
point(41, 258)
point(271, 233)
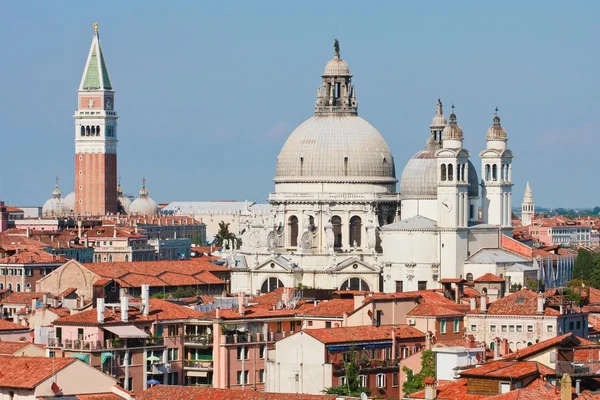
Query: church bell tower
point(95, 137)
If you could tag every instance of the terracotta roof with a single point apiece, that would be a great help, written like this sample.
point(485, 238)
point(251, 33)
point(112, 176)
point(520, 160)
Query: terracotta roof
point(10, 348)
point(67, 292)
point(11, 326)
point(538, 389)
point(508, 369)
point(522, 302)
point(23, 297)
point(99, 396)
point(209, 278)
point(366, 333)
point(167, 392)
point(268, 299)
point(426, 309)
point(13, 209)
point(489, 277)
point(330, 308)
point(450, 391)
point(28, 372)
point(10, 242)
point(452, 280)
point(541, 346)
point(161, 310)
point(33, 256)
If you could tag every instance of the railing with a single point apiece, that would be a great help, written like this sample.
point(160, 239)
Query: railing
point(578, 368)
point(94, 345)
point(203, 340)
point(369, 365)
point(255, 337)
point(197, 364)
point(334, 196)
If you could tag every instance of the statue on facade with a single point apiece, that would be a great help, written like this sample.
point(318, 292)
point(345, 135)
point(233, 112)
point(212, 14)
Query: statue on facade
point(336, 47)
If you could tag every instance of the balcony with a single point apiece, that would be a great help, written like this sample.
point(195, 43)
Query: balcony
point(98, 345)
point(159, 368)
point(200, 340)
point(198, 364)
point(369, 365)
point(578, 368)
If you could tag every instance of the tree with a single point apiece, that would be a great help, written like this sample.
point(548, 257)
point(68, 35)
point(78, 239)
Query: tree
point(584, 265)
point(224, 234)
point(351, 387)
point(415, 382)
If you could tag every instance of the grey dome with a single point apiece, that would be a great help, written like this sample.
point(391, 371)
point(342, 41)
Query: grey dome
point(335, 148)
point(419, 177)
point(124, 203)
point(336, 67)
point(69, 203)
point(143, 206)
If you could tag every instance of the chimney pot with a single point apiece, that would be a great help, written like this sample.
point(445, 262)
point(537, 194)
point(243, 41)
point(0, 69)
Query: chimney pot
point(483, 303)
point(100, 310)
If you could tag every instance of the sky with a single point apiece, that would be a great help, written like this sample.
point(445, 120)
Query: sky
point(207, 92)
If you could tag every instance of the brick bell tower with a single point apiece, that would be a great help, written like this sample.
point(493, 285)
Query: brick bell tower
point(95, 138)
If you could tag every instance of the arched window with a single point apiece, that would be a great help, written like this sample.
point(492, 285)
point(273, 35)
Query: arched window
point(458, 175)
point(270, 284)
point(10, 286)
point(495, 172)
point(126, 257)
point(28, 287)
point(346, 166)
point(492, 345)
point(93, 130)
point(529, 344)
point(450, 172)
point(443, 172)
point(337, 230)
point(97, 130)
point(87, 130)
point(355, 228)
point(463, 174)
point(354, 284)
point(82, 130)
point(487, 172)
point(293, 230)
point(1, 286)
point(110, 258)
point(18, 287)
point(470, 277)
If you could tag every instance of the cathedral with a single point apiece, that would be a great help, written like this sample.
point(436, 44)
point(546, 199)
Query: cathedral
point(337, 220)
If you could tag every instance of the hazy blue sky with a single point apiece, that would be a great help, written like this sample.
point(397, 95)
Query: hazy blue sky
point(207, 92)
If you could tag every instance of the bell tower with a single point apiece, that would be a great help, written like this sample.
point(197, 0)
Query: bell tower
point(95, 137)
point(496, 166)
point(527, 207)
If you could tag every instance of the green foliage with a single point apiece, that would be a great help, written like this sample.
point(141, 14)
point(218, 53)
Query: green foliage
point(515, 287)
point(587, 268)
point(415, 382)
point(536, 285)
point(351, 387)
point(224, 234)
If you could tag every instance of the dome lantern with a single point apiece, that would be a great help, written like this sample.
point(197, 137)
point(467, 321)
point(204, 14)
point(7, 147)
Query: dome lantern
point(336, 95)
point(496, 131)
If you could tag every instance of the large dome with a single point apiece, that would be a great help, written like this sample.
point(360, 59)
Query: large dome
point(143, 205)
point(335, 148)
point(419, 177)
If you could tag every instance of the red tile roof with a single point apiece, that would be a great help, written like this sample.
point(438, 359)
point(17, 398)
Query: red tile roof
point(158, 273)
point(508, 369)
point(166, 392)
point(10, 348)
point(541, 346)
point(538, 389)
point(67, 292)
point(268, 299)
point(522, 302)
point(364, 333)
point(159, 310)
point(330, 308)
point(426, 309)
point(99, 396)
point(28, 372)
point(33, 256)
point(23, 298)
point(489, 277)
point(450, 391)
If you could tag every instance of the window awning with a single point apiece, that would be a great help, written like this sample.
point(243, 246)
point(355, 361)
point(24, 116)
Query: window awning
point(81, 356)
point(127, 332)
point(105, 356)
point(202, 374)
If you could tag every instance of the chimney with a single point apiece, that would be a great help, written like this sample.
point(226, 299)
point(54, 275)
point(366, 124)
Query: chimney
point(428, 340)
point(33, 304)
point(393, 337)
point(145, 299)
point(45, 299)
point(217, 313)
point(504, 347)
point(85, 241)
point(345, 320)
point(241, 305)
point(473, 303)
point(100, 309)
point(81, 301)
point(54, 302)
point(566, 387)
point(79, 224)
point(124, 306)
point(430, 388)
point(540, 303)
point(578, 386)
point(28, 232)
point(483, 303)
point(497, 355)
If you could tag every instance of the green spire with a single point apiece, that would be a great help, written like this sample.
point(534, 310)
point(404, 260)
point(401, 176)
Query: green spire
point(96, 75)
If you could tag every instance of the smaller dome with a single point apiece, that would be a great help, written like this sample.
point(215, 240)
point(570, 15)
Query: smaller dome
point(124, 204)
point(52, 207)
point(69, 203)
point(452, 131)
point(143, 205)
point(496, 131)
point(336, 67)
